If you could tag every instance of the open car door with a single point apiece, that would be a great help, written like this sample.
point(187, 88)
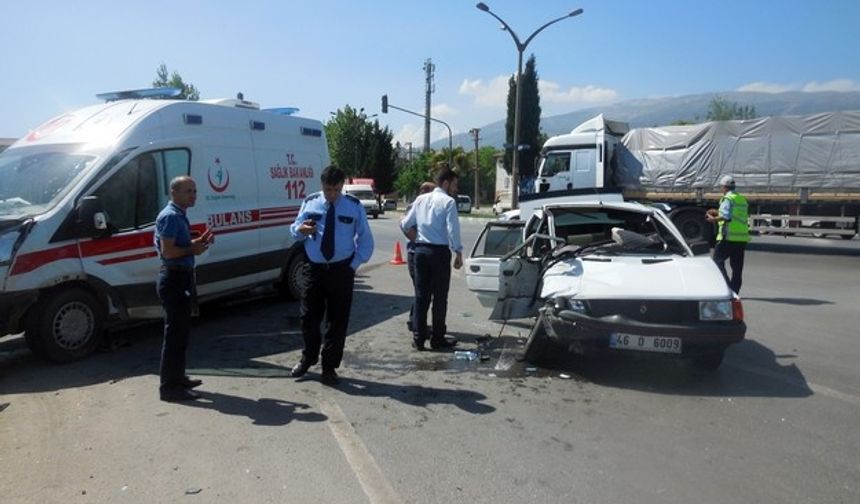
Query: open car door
point(482, 266)
point(520, 280)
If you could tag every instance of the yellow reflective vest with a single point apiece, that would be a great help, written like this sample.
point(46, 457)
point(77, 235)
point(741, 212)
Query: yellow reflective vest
point(737, 229)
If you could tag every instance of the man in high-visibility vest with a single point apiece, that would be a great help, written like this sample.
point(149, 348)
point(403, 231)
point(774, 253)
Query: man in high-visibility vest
point(733, 232)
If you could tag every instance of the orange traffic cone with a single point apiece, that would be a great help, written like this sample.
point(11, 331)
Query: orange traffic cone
point(398, 257)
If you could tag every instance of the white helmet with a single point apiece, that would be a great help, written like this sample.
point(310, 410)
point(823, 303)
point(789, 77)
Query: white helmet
point(727, 181)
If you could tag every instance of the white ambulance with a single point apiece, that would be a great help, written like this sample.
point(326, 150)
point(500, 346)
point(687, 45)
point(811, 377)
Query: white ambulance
point(80, 193)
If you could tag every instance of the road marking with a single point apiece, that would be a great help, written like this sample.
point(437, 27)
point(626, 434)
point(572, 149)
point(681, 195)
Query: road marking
point(818, 389)
point(369, 475)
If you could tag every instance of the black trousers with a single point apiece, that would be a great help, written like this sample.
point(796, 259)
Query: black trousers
point(328, 294)
point(734, 252)
point(432, 280)
point(410, 265)
point(176, 292)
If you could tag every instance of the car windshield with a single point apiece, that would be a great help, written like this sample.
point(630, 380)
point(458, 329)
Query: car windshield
point(363, 195)
point(33, 179)
point(611, 231)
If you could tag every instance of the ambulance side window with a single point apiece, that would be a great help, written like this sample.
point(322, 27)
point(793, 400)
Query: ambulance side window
point(133, 196)
point(175, 163)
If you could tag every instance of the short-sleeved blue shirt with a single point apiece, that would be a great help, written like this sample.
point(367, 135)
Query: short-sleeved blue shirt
point(173, 223)
point(352, 237)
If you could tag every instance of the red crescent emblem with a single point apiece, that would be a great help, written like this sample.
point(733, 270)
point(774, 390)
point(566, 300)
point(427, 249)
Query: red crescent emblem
point(215, 187)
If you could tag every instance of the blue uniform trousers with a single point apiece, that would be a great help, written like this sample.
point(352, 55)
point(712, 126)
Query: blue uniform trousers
point(328, 294)
point(176, 291)
point(432, 280)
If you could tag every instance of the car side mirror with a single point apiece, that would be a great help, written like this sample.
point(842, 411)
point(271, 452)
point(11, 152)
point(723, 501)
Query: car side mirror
point(92, 219)
point(700, 248)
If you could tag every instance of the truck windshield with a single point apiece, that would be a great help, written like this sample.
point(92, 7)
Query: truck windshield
point(33, 179)
point(363, 195)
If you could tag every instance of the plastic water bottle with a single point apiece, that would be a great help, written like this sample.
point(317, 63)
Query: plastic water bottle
point(467, 355)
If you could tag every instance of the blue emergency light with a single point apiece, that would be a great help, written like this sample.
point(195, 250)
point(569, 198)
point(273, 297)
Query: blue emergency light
point(137, 94)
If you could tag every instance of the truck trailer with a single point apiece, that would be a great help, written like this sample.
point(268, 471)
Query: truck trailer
point(800, 174)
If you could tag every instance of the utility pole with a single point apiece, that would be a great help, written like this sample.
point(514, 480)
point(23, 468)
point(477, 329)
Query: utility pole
point(475, 132)
point(429, 69)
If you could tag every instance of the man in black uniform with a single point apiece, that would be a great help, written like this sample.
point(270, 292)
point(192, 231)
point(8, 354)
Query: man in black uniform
point(175, 286)
point(337, 240)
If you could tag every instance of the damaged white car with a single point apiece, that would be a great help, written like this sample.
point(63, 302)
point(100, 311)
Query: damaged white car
point(606, 276)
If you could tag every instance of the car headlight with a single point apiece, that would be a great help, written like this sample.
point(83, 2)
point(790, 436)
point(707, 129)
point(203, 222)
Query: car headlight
point(715, 310)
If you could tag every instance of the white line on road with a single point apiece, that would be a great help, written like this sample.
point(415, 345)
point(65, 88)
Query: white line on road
point(369, 475)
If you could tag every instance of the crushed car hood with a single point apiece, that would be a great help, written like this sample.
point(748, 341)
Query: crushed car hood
point(636, 277)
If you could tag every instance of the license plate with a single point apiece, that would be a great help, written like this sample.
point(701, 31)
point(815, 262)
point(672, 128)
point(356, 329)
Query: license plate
point(645, 343)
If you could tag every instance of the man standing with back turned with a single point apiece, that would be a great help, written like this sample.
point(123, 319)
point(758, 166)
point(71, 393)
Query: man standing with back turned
point(434, 217)
point(176, 288)
point(732, 232)
point(335, 251)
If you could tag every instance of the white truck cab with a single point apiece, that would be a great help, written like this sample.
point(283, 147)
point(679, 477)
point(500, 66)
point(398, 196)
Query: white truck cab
point(79, 196)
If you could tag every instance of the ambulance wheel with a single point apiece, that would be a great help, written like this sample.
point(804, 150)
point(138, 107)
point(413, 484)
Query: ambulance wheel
point(296, 277)
point(66, 325)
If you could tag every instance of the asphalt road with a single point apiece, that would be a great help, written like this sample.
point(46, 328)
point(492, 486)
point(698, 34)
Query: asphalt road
point(776, 423)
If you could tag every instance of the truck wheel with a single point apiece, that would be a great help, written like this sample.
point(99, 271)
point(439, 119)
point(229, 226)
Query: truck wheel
point(692, 225)
point(538, 343)
point(66, 325)
point(296, 276)
point(709, 361)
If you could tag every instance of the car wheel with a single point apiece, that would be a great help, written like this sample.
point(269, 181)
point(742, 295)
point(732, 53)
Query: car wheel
point(538, 342)
point(709, 361)
point(66, 325)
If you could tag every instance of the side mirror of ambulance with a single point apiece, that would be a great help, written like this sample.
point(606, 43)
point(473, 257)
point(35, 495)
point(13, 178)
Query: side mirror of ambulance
point(92, 219)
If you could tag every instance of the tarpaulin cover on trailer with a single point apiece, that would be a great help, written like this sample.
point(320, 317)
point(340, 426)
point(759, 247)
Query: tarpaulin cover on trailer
point(819, 151)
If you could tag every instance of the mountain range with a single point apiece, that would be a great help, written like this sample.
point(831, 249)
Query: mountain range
point(648, 112)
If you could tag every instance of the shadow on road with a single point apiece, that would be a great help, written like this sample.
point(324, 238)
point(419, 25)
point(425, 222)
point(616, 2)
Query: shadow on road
point(271, 412)
point(417, 395)
point(229, 339)
point(750, 369)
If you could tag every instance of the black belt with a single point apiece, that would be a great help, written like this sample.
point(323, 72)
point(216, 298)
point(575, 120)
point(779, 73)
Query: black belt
point(177, 267)
point(331, 265)
point(432, 245)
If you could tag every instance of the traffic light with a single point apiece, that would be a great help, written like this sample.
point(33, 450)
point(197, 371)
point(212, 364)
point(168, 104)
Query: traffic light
point(385, 104)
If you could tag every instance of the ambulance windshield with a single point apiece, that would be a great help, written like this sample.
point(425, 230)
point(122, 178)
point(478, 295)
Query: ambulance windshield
point(33, 179)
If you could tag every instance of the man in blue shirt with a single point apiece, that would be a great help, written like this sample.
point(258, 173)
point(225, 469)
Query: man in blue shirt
point(436, 234)
point(425, 188)
point(175, 286)
point(337, 240)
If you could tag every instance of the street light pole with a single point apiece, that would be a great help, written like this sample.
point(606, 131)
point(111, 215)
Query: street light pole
point(386, 106)
point(521, 47)
point(475, 132)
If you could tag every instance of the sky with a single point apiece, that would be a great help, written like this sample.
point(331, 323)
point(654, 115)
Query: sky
point(322, 55)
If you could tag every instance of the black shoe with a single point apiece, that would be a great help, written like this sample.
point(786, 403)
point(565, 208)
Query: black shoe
point(409, 325)
point(175, 394)
point(190, 383)
point(301, 368)
point(418, 344)
point(329, 377)
point(443, 343)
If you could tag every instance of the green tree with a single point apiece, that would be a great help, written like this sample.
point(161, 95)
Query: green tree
point(412, 174)
point(720, 109)
point(530, 111)
point(174, 80)
point(361, 147)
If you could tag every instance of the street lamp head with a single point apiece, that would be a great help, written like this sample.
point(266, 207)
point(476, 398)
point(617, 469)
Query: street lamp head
point(482, 6)
point(575, 13)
